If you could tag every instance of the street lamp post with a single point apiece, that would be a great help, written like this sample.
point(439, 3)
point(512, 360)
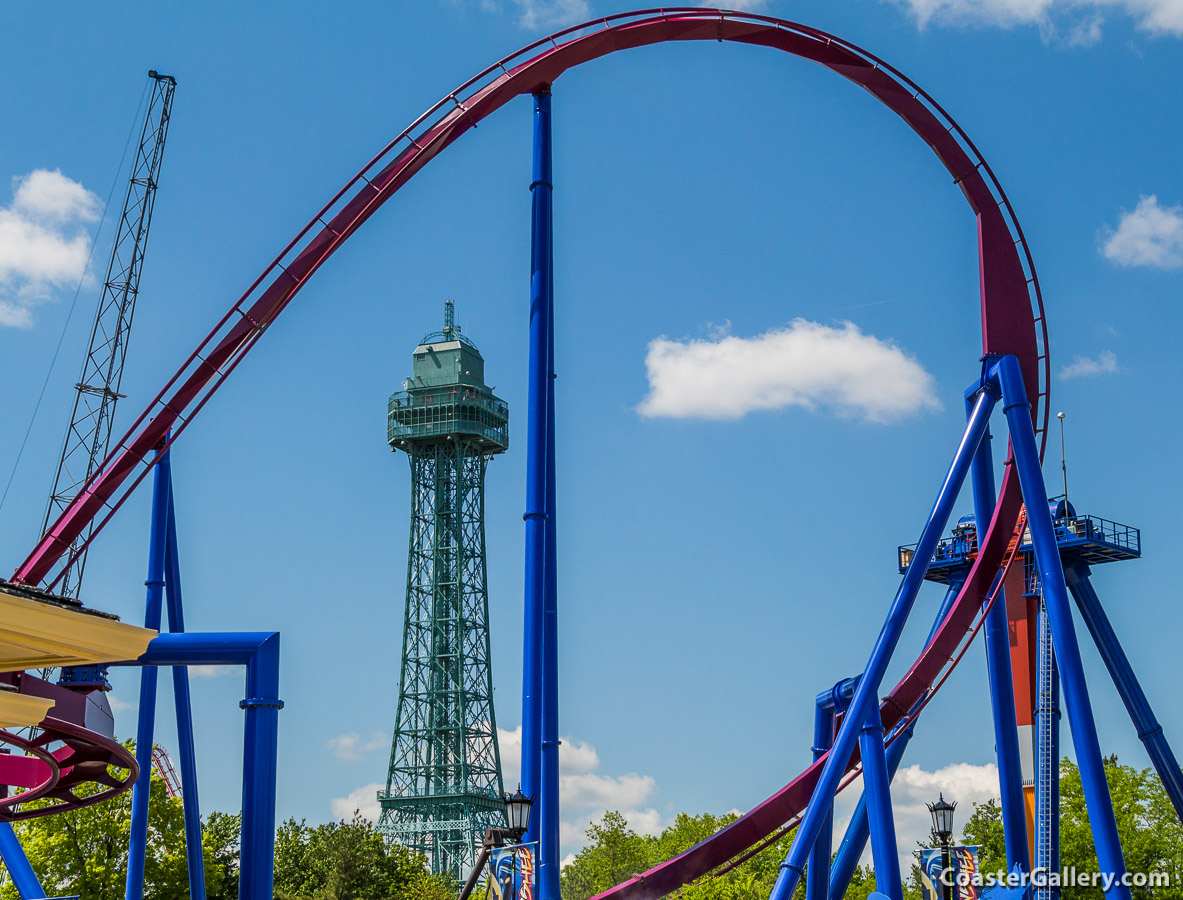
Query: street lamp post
point(942, 824)
point(517, 814)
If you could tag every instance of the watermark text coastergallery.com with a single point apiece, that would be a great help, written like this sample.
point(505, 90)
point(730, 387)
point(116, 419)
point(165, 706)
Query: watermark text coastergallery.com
point(1041, 877)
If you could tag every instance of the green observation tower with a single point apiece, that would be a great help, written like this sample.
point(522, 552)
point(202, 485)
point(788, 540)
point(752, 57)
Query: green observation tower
point(444, 786)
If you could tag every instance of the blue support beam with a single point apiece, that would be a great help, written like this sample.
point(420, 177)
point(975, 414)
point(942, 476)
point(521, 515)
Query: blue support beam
point(194, 855)
point(17, 864)
point(817, 876)
point(998, 669)
point(1055, 594)
point(1136, 704)
point(548, 855)
point(877, 789)
point(141, 792)
point(866, 694)
point(537, 444)
point(259, 652)
point(858, 832)
point(548, 861)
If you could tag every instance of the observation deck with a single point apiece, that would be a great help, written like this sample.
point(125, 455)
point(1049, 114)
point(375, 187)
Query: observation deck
point(1081, 538)
point(446, 398)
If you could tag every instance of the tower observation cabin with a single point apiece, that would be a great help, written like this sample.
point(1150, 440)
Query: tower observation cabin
point(446, 398)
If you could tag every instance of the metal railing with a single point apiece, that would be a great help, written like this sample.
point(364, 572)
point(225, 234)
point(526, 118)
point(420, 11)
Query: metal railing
point(958, 548)
point(1070, 531)
point(458, 410)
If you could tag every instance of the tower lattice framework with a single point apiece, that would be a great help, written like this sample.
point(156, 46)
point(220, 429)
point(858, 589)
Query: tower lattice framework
point(444, 784)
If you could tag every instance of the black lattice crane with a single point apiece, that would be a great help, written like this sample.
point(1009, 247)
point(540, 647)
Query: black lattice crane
point(97, 390)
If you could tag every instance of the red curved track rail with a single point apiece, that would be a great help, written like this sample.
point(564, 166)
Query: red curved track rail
point(83, 769)
point(1011, 306)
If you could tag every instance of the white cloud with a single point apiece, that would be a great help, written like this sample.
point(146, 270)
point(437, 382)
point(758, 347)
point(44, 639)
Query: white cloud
point(803, 364)
point(43, 244)
point(213, 671)
point(351, 747)
point(1151, 235)
point(118, 705)
point(363, 800)
point(584, 794)
point(911, 790)
point(1104, 364)
point(1086, 32)
point(1081, 19)
point(551, 14)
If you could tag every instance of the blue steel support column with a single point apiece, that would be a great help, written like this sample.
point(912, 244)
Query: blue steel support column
point(1055, 596)
point(259, 652)
point(1122, 673)
point(867, 693)
point(138, 839)
point(877, 789)
point(17, 864)
point(548, 863)
point(195, 858)
point(817, 876)
point(536, 453)
point(260, 745)
point(1002, 688)
point(858, 832)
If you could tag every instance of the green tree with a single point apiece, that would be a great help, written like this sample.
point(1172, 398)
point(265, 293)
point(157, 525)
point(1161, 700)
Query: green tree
point(614, 853)
point(220, 836)
point(350, 861)
point(984, 830)
point(1151, 836)
point(85, 851)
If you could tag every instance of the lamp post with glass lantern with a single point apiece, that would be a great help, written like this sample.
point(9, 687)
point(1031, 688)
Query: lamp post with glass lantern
point(517, 813)
point(942, 825)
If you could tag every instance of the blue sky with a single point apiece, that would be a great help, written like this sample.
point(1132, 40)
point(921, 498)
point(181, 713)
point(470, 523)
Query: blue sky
point(726, 553)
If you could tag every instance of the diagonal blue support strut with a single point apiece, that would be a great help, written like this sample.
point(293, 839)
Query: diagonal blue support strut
point(1017, 410)
point(877, 790)
point(17, 864)
point(1149, 730)
point(858, 832)
point(866, 695)
point(996, 636)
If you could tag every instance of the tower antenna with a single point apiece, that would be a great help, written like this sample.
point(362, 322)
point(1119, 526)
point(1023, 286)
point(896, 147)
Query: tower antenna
point(1063, 463)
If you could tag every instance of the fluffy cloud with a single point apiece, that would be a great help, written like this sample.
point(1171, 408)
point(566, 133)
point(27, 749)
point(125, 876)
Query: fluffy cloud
point(911, 790)
point(363, 800)
point(1104, 364)
point(1151, 235)
point(43, 244)
point(804, 364)
point(551, 14)
point(585, 794)
point(350, 746)
point(214, 671)
point(118, 705)
point(1075, 22)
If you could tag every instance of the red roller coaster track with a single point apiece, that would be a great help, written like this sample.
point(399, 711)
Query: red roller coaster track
point(1011, 305)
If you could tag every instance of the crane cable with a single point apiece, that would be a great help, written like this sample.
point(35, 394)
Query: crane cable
point(74, 302)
